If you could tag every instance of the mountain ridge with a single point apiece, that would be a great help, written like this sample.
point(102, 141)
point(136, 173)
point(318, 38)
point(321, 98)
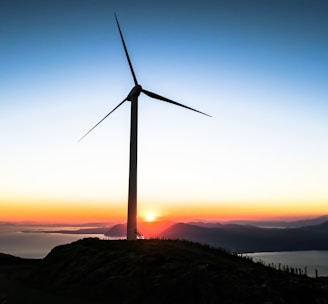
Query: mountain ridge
point(243, 239)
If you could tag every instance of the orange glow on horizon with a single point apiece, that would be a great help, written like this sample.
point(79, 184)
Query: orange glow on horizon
point(246, 211)
point(62, 212)
point(81, 212)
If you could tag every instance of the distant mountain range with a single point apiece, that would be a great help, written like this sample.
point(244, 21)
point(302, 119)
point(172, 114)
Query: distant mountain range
point(237, 236)
point(243, 238)
point(310, 234)
point(284, 224)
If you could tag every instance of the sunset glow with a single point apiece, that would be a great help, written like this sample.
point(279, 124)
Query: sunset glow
point(260, 72)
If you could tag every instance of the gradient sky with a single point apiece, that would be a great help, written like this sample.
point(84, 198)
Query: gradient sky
point(260, 68)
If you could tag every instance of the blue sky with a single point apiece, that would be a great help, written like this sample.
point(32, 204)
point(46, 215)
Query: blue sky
point(258, 67)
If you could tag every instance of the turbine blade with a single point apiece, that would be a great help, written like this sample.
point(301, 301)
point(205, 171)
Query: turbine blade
point(156, 96)
point(126, 52)
point(102, 120)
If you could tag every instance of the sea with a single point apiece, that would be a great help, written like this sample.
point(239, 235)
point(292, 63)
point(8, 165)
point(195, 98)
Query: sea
point(308, 262)
point(31, 242)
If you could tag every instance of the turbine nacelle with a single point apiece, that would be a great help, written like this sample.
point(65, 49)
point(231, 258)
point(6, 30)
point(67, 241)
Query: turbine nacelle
point(134, 93)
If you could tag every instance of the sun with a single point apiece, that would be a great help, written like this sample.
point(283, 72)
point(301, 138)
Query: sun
point(150, 217)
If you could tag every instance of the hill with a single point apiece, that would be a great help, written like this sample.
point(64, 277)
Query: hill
point(157, 271)
point(242, 238)
point(7, 259)
point(146, 229)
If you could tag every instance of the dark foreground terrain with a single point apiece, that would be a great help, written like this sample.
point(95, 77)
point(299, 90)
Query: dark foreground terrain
point(150, 271)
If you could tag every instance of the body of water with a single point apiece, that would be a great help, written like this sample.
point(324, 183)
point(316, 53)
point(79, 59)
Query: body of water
point(307, 261)
point(35, 244)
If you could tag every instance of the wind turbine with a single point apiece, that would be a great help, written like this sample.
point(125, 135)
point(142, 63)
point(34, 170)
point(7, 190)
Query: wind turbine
point(132, 232)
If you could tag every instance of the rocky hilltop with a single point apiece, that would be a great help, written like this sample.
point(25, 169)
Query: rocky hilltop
point(156, 271)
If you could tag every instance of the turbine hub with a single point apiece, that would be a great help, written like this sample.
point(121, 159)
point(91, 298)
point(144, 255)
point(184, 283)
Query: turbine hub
point(134, 93)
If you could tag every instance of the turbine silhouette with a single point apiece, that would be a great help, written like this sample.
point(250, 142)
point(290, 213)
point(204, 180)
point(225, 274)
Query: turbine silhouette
point(132, 232)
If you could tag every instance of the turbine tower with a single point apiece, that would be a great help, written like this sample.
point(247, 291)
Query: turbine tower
point(132, 232)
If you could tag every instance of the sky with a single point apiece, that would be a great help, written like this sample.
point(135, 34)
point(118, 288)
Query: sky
point(259, 68)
